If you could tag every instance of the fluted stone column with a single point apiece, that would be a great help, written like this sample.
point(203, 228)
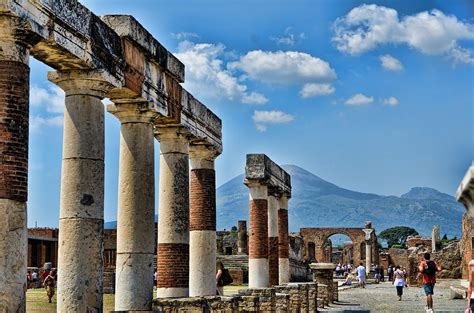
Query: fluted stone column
point(242, 238)
point(258, 236)
point(283, 255)
point(136, 207)
point(368, 255)
point(273, 207)
point(202, 222)
point(173, 214)
point(14, 94)
point(81, 216)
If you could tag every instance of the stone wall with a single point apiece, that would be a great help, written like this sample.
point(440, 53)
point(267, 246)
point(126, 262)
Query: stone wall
point(416, 241)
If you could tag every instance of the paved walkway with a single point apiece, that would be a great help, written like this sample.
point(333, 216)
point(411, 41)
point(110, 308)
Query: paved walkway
point(383, 298)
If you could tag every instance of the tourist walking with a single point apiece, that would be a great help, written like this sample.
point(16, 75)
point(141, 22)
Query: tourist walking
point(361, 273)
point(428, 269)
point(399, 281)
point(49, 284)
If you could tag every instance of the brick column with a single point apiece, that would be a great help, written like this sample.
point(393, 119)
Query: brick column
point(14, 94)
point(273, 207)
point(136, 207)
point(202, 222)
point(81, 215)
point(242, 243)
point(173, 214)
point(258, 236)
point(283, 261)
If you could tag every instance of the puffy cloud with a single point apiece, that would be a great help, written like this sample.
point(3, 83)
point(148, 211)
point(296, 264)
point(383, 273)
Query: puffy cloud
point(312, 89)
point(50, 103)
point(284, 68)
point(185, 36)
point(288, 38)
point(207, 76)
point(391, 101)
point(263, 118)
point(359, 99)
point(390, 63)
point(366, 27)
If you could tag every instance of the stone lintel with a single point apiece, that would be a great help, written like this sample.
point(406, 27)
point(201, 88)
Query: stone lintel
point(260, 168)
point(128, 26)
point(465, 192)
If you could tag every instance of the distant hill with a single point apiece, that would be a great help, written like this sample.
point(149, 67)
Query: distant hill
point(318, 203)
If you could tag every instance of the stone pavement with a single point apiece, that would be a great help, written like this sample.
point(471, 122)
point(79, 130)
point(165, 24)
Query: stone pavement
point(383, 298)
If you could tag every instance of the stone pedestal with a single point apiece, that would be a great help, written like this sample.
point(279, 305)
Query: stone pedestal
point(81, 215)
point(14, 122)
point(323, 275)
point(136, 207)
point(173, 212)
point(202, 258)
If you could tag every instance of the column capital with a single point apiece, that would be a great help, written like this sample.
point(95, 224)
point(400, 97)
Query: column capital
point(15, 38)
point(202, 156)
point(84, 82)
point(133, 112)
point(283, 200)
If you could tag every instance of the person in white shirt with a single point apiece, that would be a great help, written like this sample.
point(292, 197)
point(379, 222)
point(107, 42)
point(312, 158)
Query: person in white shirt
point(361, 272)
point(399, 281)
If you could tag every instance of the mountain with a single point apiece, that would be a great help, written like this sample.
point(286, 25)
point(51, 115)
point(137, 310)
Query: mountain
point(318, 203)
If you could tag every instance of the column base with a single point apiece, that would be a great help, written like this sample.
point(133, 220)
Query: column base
point(258, 273)
point(202, 263)
point(174, 292)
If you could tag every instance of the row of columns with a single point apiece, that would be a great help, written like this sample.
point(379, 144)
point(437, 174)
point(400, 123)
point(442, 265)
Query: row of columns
point(268, 237)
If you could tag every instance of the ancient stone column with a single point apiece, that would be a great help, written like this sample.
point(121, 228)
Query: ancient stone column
point(81, 215)
point(202, 222)
point(283, 255)
point(242, 243)
point(136, 207)
point(258, 237)
point(273, 207)
point(435, 238)
point(173, 214)
point(368, 256)
point(14, 94)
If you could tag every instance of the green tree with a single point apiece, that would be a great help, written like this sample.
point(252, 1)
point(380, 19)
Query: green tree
point(445, 237)
point(397, 235)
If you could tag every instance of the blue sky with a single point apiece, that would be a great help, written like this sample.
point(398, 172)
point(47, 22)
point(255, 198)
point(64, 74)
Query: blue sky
point(374, 97)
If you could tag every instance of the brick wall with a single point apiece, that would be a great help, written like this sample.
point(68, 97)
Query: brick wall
point(14, 93)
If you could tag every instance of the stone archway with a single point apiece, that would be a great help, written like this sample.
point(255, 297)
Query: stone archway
point(315, 239)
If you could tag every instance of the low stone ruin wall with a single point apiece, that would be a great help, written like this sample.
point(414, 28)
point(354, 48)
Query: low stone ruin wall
point(294, 297)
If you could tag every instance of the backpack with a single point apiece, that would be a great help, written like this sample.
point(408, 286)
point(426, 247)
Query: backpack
point(225, 279)
point(430, 268)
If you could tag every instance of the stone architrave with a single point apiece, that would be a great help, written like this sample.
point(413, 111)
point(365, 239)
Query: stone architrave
point(435, 238)
point(242, 243)
point(264, 179)
point(14, 117)
point(81, 215)
point(368, 248)
point(136, 207)
point(173, 214)
point(202, 221)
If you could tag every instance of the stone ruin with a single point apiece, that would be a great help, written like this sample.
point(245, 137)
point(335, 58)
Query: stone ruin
point(95, 58)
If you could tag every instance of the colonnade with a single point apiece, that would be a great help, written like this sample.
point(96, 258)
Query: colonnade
point(269, 191)
point(147, 109)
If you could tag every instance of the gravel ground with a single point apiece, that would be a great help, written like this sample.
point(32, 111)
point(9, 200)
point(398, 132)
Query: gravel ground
point(383, 298)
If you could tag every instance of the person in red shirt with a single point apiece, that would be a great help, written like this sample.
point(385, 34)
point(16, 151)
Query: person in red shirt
point(429, 268)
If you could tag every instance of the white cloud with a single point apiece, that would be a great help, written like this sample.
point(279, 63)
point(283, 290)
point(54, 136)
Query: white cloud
point(51, 99)
point(359, 99)
point(391, 101)
point(38, 122)
point(288, 38)
point(366, 27)
point(312, 89)
point(284, 68)
point(207, 76)
point(390, 63)
point(263, 118)
point(185, 36)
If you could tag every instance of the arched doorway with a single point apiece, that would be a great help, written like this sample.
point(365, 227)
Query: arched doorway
point(342, 250)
